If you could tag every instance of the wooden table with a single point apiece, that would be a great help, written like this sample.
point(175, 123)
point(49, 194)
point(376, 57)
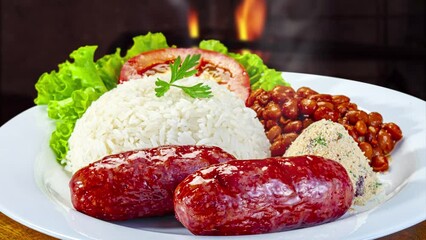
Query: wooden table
point(10, 229)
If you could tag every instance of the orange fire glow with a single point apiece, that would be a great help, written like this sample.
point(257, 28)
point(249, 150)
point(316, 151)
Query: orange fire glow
point(250, 19)
point(193, 25)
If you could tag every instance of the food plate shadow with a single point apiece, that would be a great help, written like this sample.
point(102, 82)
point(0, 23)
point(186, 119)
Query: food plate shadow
point(156, 224)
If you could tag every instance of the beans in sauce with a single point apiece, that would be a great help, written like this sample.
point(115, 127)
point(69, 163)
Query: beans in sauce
point(285, 112)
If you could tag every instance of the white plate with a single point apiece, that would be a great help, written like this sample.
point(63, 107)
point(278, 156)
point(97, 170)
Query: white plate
point(34, 189)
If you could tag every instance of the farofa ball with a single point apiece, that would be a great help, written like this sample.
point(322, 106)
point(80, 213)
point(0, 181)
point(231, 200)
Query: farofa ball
point(331, 140)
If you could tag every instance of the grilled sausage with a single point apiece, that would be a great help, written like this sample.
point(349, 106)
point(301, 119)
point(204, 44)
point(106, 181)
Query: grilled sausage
point(138, 183)
point(258, 196)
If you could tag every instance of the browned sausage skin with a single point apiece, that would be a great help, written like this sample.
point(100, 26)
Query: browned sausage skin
point(138, 183)
point(258, 196)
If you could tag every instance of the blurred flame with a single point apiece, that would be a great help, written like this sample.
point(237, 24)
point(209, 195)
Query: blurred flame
point(193, 25)
point(250, 19)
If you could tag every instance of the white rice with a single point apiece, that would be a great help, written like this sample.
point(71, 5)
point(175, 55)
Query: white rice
point(131, 117)
point(331, 140)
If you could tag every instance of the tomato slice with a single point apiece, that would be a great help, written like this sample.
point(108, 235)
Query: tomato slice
point(213, 65)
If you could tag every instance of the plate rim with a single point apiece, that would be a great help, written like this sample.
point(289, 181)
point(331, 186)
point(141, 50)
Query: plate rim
point(24, 221)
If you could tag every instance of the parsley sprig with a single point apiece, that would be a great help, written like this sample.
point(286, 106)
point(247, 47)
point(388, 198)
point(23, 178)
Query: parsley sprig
point(182, 70)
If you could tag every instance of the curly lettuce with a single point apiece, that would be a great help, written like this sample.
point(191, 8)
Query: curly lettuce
point(260, 75)
point(69, 91)
point(148, 42)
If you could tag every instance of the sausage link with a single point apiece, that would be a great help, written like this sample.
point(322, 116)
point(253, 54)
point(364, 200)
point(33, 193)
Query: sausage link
point(138, 183)
point(259, 196)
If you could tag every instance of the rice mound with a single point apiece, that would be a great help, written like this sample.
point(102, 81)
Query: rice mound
point(131, 117)
point(332, 141)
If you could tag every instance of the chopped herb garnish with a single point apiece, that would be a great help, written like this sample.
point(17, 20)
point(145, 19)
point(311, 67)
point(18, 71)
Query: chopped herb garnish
point(180, 71)
point(339, 136)
point(320, 141)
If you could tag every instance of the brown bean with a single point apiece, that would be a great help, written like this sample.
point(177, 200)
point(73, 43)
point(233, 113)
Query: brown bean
point(293, 126)
point(325, 113)
point(272, 111)
point(375, 119)
point(307, 122)
point(253, 97)
point(289, 109)
point(379, 163)
point(321, 97)
point(361, 128)
point(393, 130)
point(305, 92)
point(385, 141)
point(371, 138)
point(377, 151)
point(357, 115)
point(255, 106)
point(274, 132)
point(341, 120)
point(339, 99)
point(363, 116)
point(279, 147)
point(307, 106)
point(259, 111)
point(280, 93)
point(288, 138)
point(352, 106)
point(326, 104)
point(263, 98)
point(343, 108)
point(348, 127)
point(270, 123)
point(367, 149)
point(283, 121)
point(352, 132)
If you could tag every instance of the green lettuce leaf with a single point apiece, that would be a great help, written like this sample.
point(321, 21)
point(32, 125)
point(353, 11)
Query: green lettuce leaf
point(79, 74)
point(260, 75)
point(269, 79)
point(252, 63)
point(109, 67)
point(59, 139)
point(213, 45)
point(148, 42)
point(69, 91)
point(72, 108)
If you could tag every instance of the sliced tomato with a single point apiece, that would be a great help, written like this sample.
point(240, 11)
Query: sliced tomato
point(213, 65)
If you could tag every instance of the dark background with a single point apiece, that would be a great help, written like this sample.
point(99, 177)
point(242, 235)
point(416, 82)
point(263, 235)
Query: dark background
point(375, 41)
point(381, 42)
